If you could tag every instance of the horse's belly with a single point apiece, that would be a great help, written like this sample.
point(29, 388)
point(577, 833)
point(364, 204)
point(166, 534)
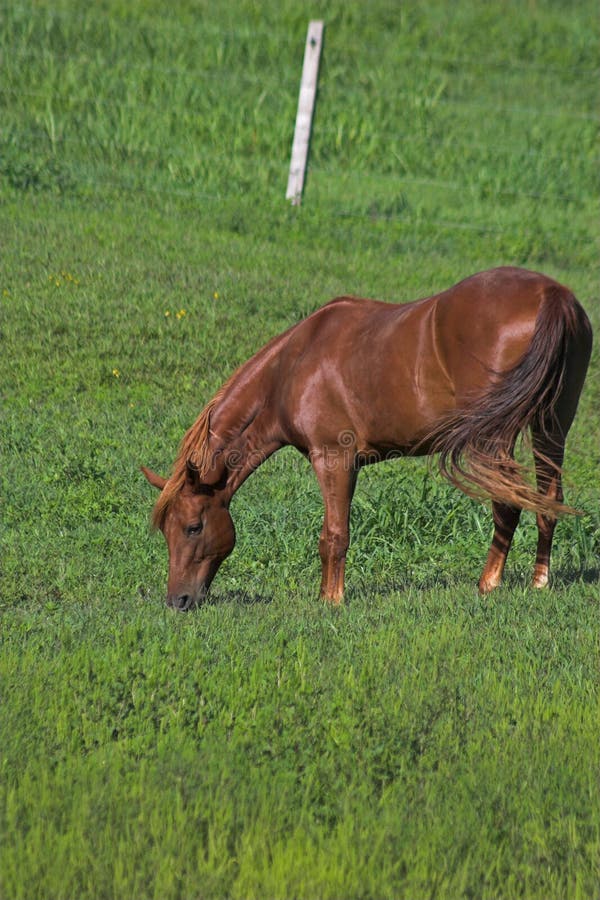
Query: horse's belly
point(400, 411)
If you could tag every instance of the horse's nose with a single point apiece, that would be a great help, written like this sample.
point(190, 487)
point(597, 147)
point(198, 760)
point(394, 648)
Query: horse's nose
point(180, 602)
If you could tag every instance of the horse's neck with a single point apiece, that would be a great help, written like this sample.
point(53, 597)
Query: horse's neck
point(241, 423)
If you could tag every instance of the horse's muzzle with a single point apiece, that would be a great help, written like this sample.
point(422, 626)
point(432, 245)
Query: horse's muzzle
point(186, 602)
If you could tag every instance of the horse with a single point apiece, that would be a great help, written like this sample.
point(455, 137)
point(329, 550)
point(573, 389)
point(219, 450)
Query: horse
point(461, 374)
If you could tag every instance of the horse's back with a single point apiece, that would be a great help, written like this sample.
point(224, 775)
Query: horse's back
point(391, 369)
point(481, 324)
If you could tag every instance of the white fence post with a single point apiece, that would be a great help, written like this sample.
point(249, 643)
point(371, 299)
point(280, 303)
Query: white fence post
point(304, 116)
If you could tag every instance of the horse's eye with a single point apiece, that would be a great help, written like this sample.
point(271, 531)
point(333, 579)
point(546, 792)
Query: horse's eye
point(191, 530)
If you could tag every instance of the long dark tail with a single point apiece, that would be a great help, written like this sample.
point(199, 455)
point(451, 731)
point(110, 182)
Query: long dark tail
point(476, 444)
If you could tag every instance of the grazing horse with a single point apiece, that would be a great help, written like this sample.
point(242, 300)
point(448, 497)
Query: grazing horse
point(460, 374)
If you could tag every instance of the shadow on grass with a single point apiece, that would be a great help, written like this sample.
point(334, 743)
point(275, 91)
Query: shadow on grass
point(560, 579)
point(407, 584)
point(241, 598)
point(567, 577)
point(520, 581)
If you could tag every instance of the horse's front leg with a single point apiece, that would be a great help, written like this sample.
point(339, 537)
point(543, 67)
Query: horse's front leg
point(337, 478)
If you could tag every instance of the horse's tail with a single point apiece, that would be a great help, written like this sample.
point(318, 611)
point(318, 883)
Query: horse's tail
point(475, 444)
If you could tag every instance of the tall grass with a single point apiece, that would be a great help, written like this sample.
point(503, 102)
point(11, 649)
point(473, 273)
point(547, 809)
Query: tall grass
point(419, 122)
point(421, 741)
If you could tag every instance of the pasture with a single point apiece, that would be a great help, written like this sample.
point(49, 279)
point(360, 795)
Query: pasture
point(420, 741)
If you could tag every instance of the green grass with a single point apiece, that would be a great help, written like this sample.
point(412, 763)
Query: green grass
point(285, 749)
point(421, 741)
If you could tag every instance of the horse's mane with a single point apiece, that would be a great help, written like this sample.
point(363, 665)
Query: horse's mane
point(192, 450)
point(194, 447)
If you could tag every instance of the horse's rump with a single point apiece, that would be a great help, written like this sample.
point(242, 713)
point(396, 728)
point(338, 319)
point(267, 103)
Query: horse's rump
point(475, 443)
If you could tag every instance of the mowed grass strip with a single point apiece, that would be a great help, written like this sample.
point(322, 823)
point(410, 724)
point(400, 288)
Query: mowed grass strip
point(421, 741)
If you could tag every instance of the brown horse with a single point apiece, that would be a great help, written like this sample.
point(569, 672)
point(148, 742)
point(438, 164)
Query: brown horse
point(461, 374)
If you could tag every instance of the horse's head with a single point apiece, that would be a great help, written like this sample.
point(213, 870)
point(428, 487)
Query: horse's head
point(199, 533)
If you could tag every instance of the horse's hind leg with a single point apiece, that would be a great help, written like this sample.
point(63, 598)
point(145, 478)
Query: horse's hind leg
point(549, 443)
point(549, 482)
point(548, 460)
point(506, 519)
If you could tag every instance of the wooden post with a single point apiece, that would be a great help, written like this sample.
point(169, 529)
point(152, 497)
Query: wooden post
point(304, 116)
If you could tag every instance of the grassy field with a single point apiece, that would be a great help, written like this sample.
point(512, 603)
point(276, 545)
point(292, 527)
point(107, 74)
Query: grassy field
point(421, 741)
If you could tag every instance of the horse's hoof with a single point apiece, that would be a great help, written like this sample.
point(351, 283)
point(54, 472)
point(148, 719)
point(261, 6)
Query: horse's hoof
point(333, 601)
point(486, 587)
point(540, 581)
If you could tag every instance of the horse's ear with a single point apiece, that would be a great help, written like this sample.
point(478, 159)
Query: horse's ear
point(211, 474)
point(155, 480)
point(217, 471)
point(192, 475)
